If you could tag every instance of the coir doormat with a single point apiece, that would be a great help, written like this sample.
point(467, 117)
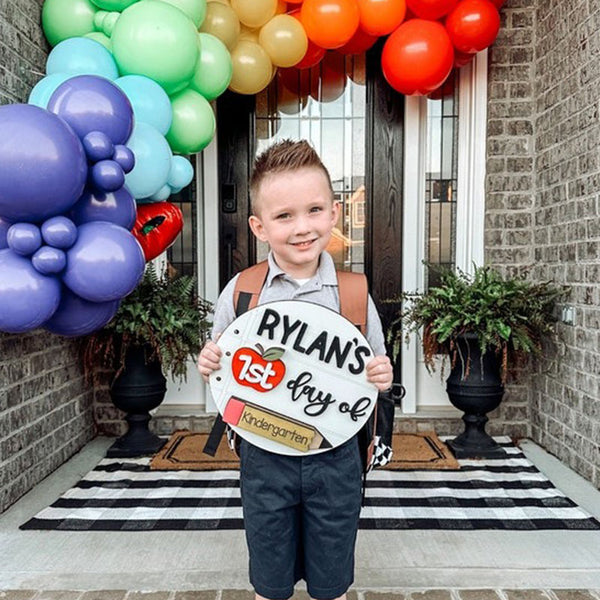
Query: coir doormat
point(422, 450)
point(504, 493)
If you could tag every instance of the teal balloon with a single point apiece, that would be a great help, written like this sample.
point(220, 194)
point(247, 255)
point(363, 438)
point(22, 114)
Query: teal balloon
point(193, 124)
point(213, 71)
point(81, 56)
point(44, 88)
point(150, 102)
point(113, 4)
point(155, 39)
point(181, 173)
point(63, 19)
point(152, 161)
point(99, 37)
point(194, 9)
point(160, 196)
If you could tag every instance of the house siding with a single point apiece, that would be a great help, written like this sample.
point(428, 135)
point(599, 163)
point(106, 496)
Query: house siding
point(45, 406)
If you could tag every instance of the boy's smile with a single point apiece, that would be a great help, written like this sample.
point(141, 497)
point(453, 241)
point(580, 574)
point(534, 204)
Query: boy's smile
point(294, 214)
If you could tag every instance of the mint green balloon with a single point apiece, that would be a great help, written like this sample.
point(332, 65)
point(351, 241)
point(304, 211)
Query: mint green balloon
point(193, 125)
point(155, 39)
point(214, 68)
point(194, 9)
point(98, 36)
point(63, 19)
point(113, 4)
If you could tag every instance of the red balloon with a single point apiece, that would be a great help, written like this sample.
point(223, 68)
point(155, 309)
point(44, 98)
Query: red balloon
point(446, 90)
point(417, 57)
point(359, 43)
point(462, 58)
point(295, 80)
point(473, 25)
point(380, 17)
point(313, 55)
point(328, 80)
point(330, 23)
point(498, 3)
point(431, 9)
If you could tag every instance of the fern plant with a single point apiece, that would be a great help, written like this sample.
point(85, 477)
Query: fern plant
point(511, 317)
point(164, 315)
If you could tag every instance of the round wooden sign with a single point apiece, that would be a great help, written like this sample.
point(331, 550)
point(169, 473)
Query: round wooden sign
point(293, 378)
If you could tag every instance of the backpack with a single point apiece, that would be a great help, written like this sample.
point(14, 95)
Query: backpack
point(375, 437)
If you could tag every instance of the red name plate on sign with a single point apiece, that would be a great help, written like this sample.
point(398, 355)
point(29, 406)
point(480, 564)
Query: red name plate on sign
point(293, 378)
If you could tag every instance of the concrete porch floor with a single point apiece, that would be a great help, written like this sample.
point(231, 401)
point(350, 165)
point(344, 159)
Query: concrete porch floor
point(40, 563)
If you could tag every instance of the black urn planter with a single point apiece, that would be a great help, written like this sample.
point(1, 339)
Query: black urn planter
point(137, 390)
point(476, 395)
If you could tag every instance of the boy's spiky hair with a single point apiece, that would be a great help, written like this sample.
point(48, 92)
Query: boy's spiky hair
point(286, 155)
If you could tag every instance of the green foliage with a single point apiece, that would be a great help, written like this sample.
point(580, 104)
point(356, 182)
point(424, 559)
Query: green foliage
point(509, 316)
point(164, 314)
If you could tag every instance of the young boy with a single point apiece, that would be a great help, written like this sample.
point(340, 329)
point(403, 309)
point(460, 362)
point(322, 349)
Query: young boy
point(300, 512)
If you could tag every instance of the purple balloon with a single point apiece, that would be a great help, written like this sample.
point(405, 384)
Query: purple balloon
point(97, 146)
point(107, 175)
point(125, 157)
point(91, 103)
point(43, 167)
point(106, 263)
point(76, 316)
point(24, 238)
point(115, 207)
point(4, 227)
point(27, 298)
point(49, 261)
point(59, 232)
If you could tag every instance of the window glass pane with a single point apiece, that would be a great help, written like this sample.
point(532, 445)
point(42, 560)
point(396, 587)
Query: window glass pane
point(326, 106)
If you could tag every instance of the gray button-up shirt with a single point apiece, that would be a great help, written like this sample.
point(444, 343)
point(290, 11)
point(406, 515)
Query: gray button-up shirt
point(321, 289)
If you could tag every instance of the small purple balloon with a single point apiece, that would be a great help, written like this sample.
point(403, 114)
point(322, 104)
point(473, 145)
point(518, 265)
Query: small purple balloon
point(107, 176)
point(106, 263)
point(43, 167)
point(27, 298)
point(49, 261)
point(91, 103)
point(115, 207)
point(97, 146)
point(24, 238)
point(76, 316)
point(125, 157)
point(59, 232)
point(4, 227)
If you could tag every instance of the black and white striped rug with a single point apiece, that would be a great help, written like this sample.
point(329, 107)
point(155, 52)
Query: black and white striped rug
point(508, 493)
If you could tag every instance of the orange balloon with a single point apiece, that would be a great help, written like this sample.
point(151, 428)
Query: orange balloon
point(314, 54)
point(431, 9)
point(473, 25)
point(330, 23)
point(359, 43)
point(380, 17)
point(417, 58)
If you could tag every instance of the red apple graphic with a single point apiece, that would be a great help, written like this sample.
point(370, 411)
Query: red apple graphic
point(261, 370)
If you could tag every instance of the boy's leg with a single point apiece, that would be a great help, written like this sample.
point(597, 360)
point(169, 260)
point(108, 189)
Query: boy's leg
point(331, 502)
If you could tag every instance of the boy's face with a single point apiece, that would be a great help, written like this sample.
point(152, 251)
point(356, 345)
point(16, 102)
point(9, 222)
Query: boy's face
point(295, 214)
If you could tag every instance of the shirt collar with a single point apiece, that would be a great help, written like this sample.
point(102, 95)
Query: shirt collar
point(325, 274)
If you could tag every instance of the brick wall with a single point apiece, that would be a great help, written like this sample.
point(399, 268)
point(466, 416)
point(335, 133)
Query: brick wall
point(45, 407)
point(542, 203)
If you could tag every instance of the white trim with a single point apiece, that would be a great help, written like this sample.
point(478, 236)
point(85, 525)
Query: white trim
point(472, 129)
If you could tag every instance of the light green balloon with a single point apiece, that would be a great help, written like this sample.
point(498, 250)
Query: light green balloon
point(99, 37)
point(214, 68)
point(113, 4)
point(155, 39)
point(63, 19)
point(193, 125)
point(194, 9)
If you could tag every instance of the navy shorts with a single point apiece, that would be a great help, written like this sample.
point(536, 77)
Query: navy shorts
point(301, 518)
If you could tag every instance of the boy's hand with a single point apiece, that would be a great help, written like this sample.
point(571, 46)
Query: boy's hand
point(209, 359)
point(380, 372)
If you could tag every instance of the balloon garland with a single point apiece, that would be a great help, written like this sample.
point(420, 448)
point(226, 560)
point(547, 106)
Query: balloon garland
point(86, 166)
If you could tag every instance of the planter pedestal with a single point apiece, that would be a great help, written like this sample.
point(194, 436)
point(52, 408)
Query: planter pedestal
point(476, 395)
point(138, 389)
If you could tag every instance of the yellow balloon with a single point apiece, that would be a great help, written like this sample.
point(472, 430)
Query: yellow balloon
point(251, 35)
point(252, 69)
point(222, 22)
point(254, 13)
point(284, 40)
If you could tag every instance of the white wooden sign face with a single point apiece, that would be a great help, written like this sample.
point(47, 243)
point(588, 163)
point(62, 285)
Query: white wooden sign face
point(293, 378)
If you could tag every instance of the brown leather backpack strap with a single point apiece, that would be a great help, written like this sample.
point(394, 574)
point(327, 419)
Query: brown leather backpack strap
point(248, 287)
point(354, 293)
